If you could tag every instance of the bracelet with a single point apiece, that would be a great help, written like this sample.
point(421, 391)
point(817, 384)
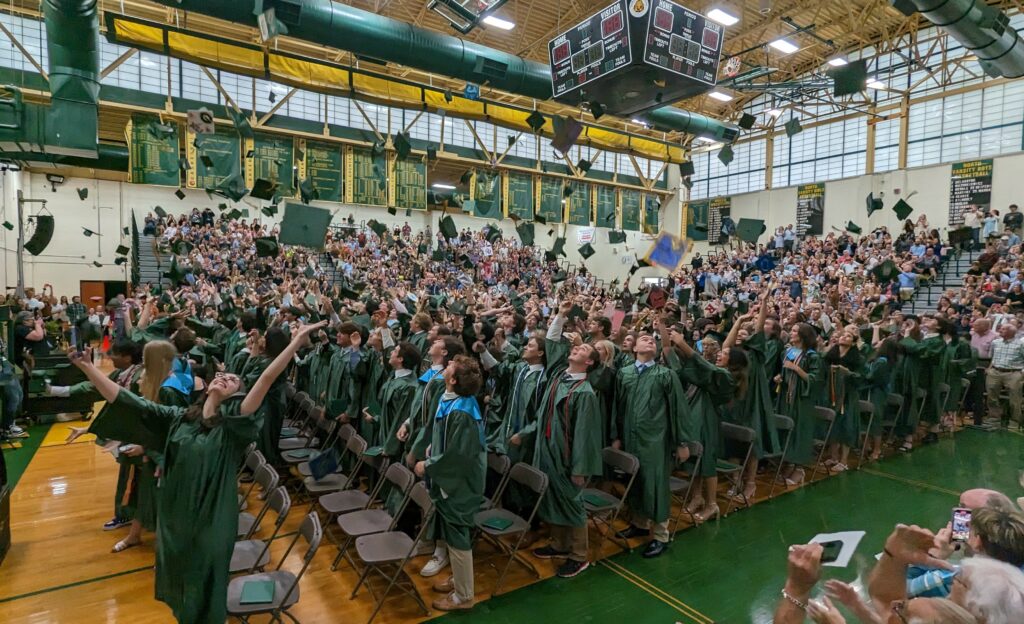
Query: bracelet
point(801, 605)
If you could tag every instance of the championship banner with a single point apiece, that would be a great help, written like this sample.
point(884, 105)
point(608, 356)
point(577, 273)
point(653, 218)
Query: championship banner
point(718, 208)
point(971, 185)
point(810, 209)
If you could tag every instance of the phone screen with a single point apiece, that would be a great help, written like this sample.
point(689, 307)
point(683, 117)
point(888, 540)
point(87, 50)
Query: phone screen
point(830, 551)
point(961, 524)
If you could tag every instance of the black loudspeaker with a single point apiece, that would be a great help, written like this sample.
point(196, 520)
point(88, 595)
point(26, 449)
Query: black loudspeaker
point(41, 237)
point(849, 79)
point(686, 168)
point(747, 121)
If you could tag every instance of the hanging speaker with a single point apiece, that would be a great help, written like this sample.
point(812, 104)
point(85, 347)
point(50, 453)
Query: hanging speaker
point(41, 237)
point(746, 121)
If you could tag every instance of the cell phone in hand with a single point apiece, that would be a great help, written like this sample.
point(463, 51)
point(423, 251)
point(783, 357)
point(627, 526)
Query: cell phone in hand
point(961, 524)
point(830, 551)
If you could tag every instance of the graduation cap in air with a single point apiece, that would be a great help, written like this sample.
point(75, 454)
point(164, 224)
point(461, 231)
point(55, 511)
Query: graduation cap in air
point(560, 276)
point(222, 207)
point(308, 192)
point(392, 210)
point(902, 210)
point(122, 250)
point(793, 127)
point(346, 292)
point(525, 231)
point(447, 227)
point(584, 165)
point(233, 214)
point(402, 145)
point(466, 177)
point(8, 225)
point(458, 308)
point(304, 225)
point(160, 212)
point(586, 251)
point(408, 212)
point(567, 190)
point(467, 262)
point(539, 218)
point(535, 121)
point(559, 246)
point(268, 211)
point(616, 236)
point(377, 227)
point(876, 314)
point(492, 233)
point(310, 273)
point(873, 205)
point(885, 272)
point(232, 187)
point(160, 131)
point(749, 230)
point(83, 193)
point(267, 247)
point(263, 189)
point(207, 161)
point(431, 153)
point(180, 194)
point(120, 261)
point(97, 264)
point(126, 231)
point(853, 228)
point(182, 247)
point(241, 122)
point(87, 232)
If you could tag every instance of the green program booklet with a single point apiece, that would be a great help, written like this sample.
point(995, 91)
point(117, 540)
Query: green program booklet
point(257, 592)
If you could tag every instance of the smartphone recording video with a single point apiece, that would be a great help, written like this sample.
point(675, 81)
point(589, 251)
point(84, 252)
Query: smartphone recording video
point(830, 551)
point(961, 524)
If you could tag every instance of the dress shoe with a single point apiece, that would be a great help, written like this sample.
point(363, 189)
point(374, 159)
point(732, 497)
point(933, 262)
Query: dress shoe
point(632, 532)
point(446, 586)
point(452, 602)
point(655, 548)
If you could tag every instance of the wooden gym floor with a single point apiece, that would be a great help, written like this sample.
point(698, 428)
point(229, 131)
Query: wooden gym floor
point(60, 569)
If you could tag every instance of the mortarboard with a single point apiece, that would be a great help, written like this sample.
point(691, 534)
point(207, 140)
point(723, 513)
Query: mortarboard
point(525, 232)
point(307, 191)
point(233, 214)
point(160, 212)
point(493, 233)
point(853, 228)
point(304, 225)
point(87, 232)
point(97, 264)
point(560, 276)
point(83, 193)
point(749, 230)
point(180, 194)
point(122, 250)
point(182, 247)
point(120, 261)
point(309, 272)
point(268, 211)
point(222, 207)
point(347, 293)
point(559, 246)
point(402, 145)
point(126, 231)
point(467, 262)
point(437, 256)
point(615, 237)
point(242, 124)
point(392, 210)
point(876, 314)
point(535, 121)
point(466, 177)
point(266, 247)
point(207, 161)
point(873, 205)
point(263, 189)
point(231, 187)
point(447, 227)
point(539, 218)
point(586, 251)
point(885, 272)
point(8, 225)
point(408, 212)
point(377, 227)
point(902, 210)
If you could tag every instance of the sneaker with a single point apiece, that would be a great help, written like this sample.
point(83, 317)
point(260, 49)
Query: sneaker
point(547, 552)
point(16, 432)
point(571, 568)
point(435, 565)
point(116, 523)
point(839, 467)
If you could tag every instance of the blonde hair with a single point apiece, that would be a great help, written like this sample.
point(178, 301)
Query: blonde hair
point(157, 360)
point(609, 348)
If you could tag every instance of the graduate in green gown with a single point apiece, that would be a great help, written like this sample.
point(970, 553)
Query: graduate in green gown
point(842, 365)
point(876, 387)
point(922, 347)
point(420, 327)
point(455, 469)
point(651, 420)
point(566, 440)
point(756, 410)
point(203, 446)
point(396, 397)
point(275, 405)
point(958, 360)
point(798, 396)
point(711, 388)
point(415, 432)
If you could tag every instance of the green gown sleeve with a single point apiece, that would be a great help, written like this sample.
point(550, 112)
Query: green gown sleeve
point(586, 437)
point(556, 353)
point(685, 423)
point(134, 420)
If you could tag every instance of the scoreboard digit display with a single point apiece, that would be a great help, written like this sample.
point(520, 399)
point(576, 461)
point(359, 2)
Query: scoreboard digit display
point(595, 47)
point(683, 42)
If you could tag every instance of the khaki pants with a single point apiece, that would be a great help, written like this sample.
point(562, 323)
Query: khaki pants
point(462, 572)
point(572, 540)
point(995, 382)
point(659, 530)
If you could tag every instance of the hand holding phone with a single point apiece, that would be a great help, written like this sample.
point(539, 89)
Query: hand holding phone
point(961, 527)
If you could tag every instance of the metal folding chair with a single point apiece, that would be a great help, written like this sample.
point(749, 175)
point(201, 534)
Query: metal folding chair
point(343, 433)
point(681, 488)
point(253, 460)
point(827, 415)
point(782, 424)
point(865, 408)
point(943, 391)
point(251, 555)
point(267, 478)
point(537, 482)
point(370, 520)
point(286, 584)
point(499, 465)
point(385, 555)
point(305, 437)
point(320, 436)
point(604, 507)
point(337, 481)
point(893, 408)
point(734, 472)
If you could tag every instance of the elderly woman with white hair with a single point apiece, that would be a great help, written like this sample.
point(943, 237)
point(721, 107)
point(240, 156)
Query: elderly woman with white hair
point(990, 590)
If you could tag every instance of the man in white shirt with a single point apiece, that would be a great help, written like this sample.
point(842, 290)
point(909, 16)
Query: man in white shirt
point(1006, 372)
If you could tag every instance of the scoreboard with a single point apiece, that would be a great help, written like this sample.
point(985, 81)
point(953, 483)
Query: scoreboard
point(636, 55)
point(593, 48)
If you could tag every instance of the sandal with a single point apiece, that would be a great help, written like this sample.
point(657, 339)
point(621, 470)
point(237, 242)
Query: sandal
point(906, 447)
point(707, 513)
point(124, 545)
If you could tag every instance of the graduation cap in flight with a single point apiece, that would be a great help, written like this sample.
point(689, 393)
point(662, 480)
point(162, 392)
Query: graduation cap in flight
point(377, 227)
point(437, 255)
point(269, 211)
point(308, 192)
point(539, 218)
point(241, 122)
point(492, 233)
point(586, 251)
point(902, 210)
point(122, 250)
point(87, 232)
point(447, 227)
point(126, 231)
point(876, 314)
point(535, 121)
point(120, 261)
point(263, 189)
point(83, 193)
point(8, 225)
point(233, 214)
point(466, 177)
point(392, 210)
point(182, 247)
point(458, 308)
point(231, 187)
point(616, 236)
point(885, 272)
point(207, 161)
point(160, 212)
point(267, 247)
point(402, 145)
point(180, 194)
point(559, 246)
point(304, 225)
point(873, 205)
point(97, 264)
point(160, 131)
point(853, 228)
point(310, 273)
point(525, 230)
point(584, 165)
point(749, 230)
point(560, 276)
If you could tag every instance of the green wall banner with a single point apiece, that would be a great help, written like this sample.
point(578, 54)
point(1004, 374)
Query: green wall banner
point(272, 158)
point(223, 150)
point(408, 181)
point(153, 151)
point(629, 203)
point(365, 177)
point(549, 200)
point(518, 196)
point(580, 204)
point(322, 164)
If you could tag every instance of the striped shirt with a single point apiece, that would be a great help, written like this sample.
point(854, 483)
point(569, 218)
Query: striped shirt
point(76, 311)
point(1008, 355)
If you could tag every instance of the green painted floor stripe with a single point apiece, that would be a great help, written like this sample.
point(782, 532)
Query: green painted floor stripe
point(18, 459)
point(97, 579)
point(913, 482)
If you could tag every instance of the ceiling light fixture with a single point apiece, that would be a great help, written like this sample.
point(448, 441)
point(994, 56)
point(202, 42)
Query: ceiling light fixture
point(721, 96)
point(497, 22)
point(837, 61)
point(447, 187)
point(875, 83)
point(773, 112)
point(784, 46)
point(722, 17)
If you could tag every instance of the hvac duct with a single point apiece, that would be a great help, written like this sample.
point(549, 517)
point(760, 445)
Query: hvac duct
point(366, 34)
point(72, 35)
point(108, 158)
point(982, 29)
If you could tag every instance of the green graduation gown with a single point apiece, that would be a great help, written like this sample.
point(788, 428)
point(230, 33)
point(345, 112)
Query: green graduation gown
point(396, 397)
point(523, 395)
point(755, 409)
point(652, 419)
point(419, 340)
point(876, 386)
point(841, 393)
point(456, 470)
point(710, 390)
point(958, 360)
point(797, 399)
point(421, 412)
point(925, 371)
point(198, 498)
